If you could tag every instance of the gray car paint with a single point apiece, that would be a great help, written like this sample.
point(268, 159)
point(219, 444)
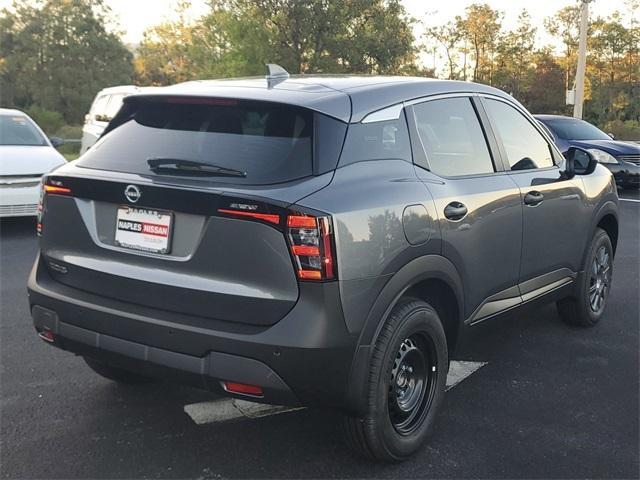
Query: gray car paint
point(390, 232)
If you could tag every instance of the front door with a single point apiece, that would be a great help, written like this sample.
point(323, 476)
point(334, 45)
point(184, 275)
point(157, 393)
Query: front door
point(554, 231)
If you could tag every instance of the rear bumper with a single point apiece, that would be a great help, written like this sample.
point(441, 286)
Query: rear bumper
point(304, 359)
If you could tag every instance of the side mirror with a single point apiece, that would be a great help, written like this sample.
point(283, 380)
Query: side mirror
point(613, 137)
point(579, 162)
point(56, 142)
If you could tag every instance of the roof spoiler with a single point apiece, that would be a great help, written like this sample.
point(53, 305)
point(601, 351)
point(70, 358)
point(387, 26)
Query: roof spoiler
point(276, 75)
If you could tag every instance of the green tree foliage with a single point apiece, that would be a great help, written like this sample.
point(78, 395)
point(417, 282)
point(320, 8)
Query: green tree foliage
point(57, 54)
point(514, 71)
point(480, 28)
point(537, 76)
point(238, 37)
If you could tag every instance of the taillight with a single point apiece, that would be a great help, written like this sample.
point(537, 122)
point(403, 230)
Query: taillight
point(49, 187)
point(267, 217)
point(311, 246)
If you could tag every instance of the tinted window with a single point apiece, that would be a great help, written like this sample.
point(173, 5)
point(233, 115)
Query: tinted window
point(388, 139)
point(270, 142)
point(18, 130)
point(525, 147)
point(575, 129)
point(452, 137)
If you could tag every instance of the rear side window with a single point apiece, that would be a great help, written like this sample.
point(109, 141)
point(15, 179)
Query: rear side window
point(525, 147)
point(271, 142)
point(387, 139)
point(452, 137)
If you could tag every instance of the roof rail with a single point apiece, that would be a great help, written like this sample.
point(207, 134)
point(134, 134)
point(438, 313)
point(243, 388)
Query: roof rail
point(276, 75)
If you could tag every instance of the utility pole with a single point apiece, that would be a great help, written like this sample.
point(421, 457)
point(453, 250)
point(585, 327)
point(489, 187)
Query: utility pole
point(582, 59)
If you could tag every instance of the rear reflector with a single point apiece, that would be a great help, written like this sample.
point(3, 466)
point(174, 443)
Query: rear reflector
point(47, 336)
point(243, 389)
point(267, 217)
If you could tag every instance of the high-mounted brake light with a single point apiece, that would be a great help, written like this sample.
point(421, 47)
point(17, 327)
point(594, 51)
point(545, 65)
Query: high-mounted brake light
point(311, 246)
point(267, 217)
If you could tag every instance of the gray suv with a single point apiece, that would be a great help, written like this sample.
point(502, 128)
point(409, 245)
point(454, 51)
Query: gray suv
point(316, 240)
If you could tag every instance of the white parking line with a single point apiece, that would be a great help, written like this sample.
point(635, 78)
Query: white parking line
point(459, 370)
point(218, 411)
point(629, 200)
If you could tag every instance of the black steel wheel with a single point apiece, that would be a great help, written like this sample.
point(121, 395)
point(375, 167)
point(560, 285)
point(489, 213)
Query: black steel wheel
point(406, 383)
point(412, 383)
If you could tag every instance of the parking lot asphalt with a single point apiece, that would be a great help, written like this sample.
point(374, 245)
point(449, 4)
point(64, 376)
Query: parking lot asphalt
point(552, 402)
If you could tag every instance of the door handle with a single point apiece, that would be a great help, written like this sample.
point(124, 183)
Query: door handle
point(455, 211)
point(533, 198)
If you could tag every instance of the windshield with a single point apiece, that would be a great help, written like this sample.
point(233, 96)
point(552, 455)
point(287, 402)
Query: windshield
point(19, 130)
point(271, 142)
point(574, 129)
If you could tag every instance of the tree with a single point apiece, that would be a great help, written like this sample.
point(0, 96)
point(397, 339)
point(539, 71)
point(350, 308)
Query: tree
point(57, 54)
point(165, 54)
point(238, 37)
point(514, 62)
point(449, 37)
point(480, 27)
point(565, 25)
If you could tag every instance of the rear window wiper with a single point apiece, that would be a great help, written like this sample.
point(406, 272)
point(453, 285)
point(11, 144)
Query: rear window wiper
point(190, 167)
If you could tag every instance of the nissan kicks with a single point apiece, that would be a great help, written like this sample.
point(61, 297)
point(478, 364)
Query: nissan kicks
point(316, 240)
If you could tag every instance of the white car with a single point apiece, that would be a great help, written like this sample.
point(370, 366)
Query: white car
point(106, 104)
point(25, 155)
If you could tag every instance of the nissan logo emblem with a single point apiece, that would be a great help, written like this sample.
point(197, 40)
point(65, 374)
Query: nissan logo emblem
point(132, 193)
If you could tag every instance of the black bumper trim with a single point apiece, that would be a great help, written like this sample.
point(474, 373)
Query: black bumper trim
point(212, 368)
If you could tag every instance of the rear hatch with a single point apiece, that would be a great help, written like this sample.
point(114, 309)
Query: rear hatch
point(183, 206)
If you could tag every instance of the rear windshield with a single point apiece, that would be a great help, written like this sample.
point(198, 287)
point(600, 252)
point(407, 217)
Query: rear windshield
point(18, 130)
point(271, 143)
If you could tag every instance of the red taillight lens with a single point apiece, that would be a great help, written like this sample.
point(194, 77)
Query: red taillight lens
point(311, 246)
point(243, 389)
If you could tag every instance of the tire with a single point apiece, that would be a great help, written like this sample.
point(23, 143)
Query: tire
point(411, 345)
point(585, 309)
point(116, 374)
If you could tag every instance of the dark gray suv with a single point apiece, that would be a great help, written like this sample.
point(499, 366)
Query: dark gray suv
point(318, 241)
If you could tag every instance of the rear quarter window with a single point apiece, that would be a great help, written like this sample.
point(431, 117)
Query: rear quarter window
point(384, 140)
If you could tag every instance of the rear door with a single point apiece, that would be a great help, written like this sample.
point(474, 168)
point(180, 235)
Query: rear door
point(554, 208)
point(478, 204)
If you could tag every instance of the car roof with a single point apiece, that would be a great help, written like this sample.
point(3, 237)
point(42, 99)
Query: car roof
point(555, 117)
point(119, 89)
point(346, 97)
point(12, 111)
